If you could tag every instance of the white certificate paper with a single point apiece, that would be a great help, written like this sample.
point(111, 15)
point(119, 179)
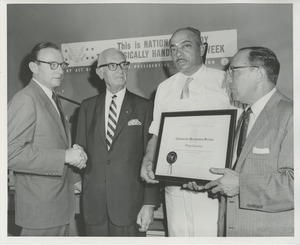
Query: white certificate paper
point(191, 143)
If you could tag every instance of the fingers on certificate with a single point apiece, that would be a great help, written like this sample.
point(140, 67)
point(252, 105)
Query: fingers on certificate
point(193, 186)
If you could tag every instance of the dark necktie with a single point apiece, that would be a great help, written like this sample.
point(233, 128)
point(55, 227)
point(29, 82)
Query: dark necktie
point(185, 94)
point(59, 107)
point(112, 122)
point(243, 131)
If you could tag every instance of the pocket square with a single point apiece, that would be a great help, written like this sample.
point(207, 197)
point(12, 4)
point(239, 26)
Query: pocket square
point(256, 150)
point(134, 122)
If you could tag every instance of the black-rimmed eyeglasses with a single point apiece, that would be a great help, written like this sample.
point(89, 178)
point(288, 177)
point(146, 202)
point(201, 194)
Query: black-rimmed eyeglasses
point(54, 65)
point(113, 66)
point(232, 68)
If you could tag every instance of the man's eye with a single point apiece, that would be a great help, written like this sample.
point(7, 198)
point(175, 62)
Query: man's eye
point(173, 50)
point(187, 46)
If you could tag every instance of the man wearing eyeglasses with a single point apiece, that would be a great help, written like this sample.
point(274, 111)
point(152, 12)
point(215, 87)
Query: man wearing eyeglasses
point(113, 127)
point(39, 150)
point(194, 87)
point(260, 186)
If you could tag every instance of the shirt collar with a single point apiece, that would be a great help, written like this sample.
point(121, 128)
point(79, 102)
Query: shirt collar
point(197, 74)
point(120, 95)
point(259, 105)
point(44, 88)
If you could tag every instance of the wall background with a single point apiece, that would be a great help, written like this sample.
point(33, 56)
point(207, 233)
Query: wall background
point(257, 24)
point(269, 25)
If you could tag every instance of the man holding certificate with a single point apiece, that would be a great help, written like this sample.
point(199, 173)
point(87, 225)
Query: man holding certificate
point(260, 186)
point(194, 87)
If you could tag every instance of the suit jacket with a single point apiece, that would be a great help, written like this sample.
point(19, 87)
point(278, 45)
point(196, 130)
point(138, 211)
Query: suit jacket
point(112, 181)
point(44, 185)
point(265, 204)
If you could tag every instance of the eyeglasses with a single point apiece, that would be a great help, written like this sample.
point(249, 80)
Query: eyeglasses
point(54, 65)
point(113, 66)
point(232, 68)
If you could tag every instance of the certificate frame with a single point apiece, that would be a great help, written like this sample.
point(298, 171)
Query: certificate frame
point(178, 158)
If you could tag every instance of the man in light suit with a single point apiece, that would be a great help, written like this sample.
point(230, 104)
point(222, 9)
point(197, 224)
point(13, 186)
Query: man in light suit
point(260, 187)
point(113, 128)
point(39, 150)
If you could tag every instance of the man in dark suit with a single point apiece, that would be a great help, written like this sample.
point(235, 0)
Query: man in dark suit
point(39, 150)
point(113, 128)
point(260, 187)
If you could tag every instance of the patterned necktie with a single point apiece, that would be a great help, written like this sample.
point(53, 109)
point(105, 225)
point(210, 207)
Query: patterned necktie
point(185, 91)
point(112, 122)
point(243, 131)
point(59, 107)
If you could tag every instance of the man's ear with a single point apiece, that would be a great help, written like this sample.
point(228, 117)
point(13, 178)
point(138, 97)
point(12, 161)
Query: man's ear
point(202, 50)
point(261, 74)
point(99, 72)
point(33, 67)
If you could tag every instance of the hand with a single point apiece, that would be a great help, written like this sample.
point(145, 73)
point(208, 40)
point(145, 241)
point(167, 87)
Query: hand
point(76, 156)
point(78, 187)
point(82, 154)
point(145, 217)
point(228, 185)
point(147, 173)
point(193, 186)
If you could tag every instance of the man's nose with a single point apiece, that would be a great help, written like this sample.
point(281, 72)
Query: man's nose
point(179, 52)
point(60, 70)
point(119, 68)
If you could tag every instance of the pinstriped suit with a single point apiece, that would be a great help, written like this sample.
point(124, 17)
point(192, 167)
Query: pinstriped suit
point(265, 205)
point(37, 142)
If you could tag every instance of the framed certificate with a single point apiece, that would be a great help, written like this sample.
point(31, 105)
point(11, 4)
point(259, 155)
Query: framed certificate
point(190, 143)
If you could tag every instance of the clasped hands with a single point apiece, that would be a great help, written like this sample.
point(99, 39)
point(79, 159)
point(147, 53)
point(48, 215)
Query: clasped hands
point(76, 156)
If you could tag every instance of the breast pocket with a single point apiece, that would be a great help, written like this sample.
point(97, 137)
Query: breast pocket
point(259, 162)
point(134, 129)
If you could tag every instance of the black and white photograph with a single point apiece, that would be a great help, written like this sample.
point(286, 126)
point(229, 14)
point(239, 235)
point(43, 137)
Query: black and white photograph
point(149, 122)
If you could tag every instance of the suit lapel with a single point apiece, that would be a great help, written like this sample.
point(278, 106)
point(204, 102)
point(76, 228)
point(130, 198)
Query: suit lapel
point(100, 114)
point(251, 139)
point(50, 109)
point(126, 110)
point(262, 120)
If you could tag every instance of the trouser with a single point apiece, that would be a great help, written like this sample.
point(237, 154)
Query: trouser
point(55, 231)
point(191, 213)
point(110, 229)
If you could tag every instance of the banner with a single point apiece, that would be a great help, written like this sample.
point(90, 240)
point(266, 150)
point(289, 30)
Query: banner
point(149, 52)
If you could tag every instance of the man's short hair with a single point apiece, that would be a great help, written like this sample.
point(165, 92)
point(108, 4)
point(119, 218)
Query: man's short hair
point(196, 34)
point(264, 57)
point(36, 49)
point(103, 55)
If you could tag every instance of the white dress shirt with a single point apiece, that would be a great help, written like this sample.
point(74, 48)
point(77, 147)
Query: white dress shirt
point(205, 93)
point(257, 107)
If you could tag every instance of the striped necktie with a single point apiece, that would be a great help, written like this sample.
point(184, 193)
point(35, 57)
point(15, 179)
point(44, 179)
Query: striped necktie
point(185, 91)
point(59, 107)
point(112, 122)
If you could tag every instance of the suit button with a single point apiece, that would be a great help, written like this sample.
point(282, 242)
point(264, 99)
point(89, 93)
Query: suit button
point(108, 162)
point(230, 227)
